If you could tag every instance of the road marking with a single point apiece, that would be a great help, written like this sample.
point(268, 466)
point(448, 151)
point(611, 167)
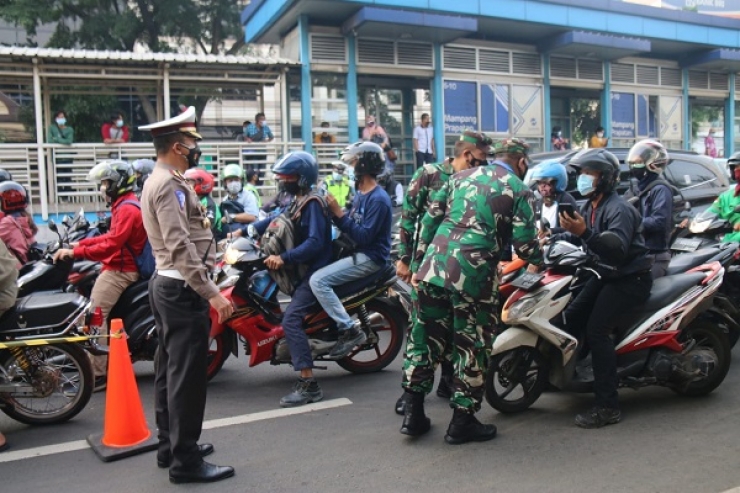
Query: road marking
point(30, 453)
point(733, 490)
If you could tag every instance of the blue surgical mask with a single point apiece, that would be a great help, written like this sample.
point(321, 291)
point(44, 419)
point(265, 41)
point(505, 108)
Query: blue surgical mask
point(61, 121)
point(244, 129)
point(337, 176)
point(119, 123)
point(585, 185)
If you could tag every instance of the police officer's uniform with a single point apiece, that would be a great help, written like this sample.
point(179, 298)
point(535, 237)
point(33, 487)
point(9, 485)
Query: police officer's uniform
point(182, 242)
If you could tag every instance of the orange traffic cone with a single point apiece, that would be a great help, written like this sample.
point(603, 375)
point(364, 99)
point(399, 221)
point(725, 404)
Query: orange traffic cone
point(125, 432)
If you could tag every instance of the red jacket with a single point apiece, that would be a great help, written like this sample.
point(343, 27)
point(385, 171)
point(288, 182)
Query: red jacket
point(105, 131)
point(126, 228)
point(17, 235)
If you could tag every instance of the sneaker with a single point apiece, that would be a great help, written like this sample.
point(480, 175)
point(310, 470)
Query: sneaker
point(304, 392)
point(598, 416)
point(348, 340)
point(100, 383)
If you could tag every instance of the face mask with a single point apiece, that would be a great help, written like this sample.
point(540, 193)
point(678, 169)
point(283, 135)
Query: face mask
point(337, 176)
point(638, 173)
point(139, 183)
point(234, 187)
point(119, 123)
point(290, 187)
point(244, 129)
point(560, 134)
point(475, 162)
point(585, 185)
point(61, 121)
point(599, 134)
point(263, 123)
point(193, 155)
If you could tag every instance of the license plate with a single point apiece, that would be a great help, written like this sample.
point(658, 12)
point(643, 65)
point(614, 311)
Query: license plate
point(686, 244)
point(527, 281)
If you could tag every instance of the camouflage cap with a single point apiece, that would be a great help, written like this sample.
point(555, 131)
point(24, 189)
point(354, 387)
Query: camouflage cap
point(511, 145)
point(478, 139)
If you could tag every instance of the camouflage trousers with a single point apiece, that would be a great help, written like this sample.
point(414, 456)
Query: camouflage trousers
point(451, 320)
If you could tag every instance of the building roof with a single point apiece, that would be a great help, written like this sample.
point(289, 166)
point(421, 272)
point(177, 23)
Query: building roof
point(58, 54)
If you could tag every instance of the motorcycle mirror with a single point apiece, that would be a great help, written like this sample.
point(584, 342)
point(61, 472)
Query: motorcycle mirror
point(65, 221)
point(52, 226)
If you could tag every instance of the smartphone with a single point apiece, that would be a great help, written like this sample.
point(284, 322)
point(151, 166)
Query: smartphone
point(567, 209)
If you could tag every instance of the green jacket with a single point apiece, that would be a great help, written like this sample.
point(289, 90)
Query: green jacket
point(57, 135)
point(340, 190)
point(479, 212)
point(426, 181)
point(724, 206)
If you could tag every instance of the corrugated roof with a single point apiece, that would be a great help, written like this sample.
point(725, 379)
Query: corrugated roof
point(126, 56)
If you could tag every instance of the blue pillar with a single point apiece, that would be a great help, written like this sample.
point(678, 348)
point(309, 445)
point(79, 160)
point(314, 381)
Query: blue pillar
point(546, 98)
point(606, 102)
point(354, 132)
point(686, 110)
point(438, 113)
point(730, 119)
point(306, 122)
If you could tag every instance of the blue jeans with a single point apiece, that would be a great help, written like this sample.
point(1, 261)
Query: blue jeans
point(345, 270)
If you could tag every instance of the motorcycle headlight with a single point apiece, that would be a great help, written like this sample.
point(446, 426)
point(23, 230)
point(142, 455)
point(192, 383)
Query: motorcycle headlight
point(231, 256)
point(699, 226)
point(521, 307)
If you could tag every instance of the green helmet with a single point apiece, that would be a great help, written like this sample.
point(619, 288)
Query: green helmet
point(232, 171)
point(118, 172)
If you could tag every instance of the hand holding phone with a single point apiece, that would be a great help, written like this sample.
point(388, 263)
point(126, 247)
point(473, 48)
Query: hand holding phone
point(567, 209)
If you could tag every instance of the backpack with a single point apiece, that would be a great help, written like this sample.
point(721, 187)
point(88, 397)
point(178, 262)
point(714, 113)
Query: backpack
point(145, 263)
point(280, 236)
point(635, 198)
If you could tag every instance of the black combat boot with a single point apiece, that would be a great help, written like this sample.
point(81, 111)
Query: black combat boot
point(444, 389)
point(401, 404)
point(415, 422)
point(465, 427)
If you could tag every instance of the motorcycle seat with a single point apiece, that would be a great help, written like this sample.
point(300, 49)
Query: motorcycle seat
point(681, 263)
point(84, 265)
point(387, 272)
point(41, 309)
point(137, 292)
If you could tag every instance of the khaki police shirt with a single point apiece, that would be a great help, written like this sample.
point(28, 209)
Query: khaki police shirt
point(174, 221)
point(8, 277)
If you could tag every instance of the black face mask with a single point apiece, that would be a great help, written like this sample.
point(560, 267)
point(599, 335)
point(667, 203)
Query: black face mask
point(290, 187)
point(139, 182)
point(638, 173)
point(193, 155)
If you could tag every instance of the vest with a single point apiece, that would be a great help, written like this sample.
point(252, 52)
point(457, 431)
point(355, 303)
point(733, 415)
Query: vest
point(339, 189)
point(251, 188)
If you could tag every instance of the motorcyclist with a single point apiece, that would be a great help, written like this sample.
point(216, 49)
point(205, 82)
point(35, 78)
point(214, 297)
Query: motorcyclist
point(17, 229)
point(551, 179)
point(117, 249)
point(609, 227)
point(142, 168)
point(729, 200)
point(368, 225)
point(654, 199)
point(240, 206)
point(203, 183)
point(297, 173)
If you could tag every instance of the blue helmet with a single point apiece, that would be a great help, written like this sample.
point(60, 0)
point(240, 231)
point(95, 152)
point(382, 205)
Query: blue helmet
point(299, 163)
point(552, 170)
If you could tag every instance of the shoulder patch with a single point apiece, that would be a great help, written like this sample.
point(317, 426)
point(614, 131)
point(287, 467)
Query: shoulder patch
point(180, 198)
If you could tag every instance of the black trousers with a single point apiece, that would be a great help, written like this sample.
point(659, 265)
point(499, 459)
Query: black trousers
point(593, 311)
point(183, 324)
point(423, 157)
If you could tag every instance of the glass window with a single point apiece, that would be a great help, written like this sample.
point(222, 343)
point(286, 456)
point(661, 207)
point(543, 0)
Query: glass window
point(684, 174)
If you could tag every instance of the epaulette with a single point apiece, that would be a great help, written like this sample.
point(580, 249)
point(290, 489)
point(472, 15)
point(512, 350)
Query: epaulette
point(177, 174)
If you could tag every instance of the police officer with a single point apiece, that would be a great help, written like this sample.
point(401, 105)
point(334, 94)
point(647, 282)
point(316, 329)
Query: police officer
point(482, 208)
point(182, 242)
point(338, 184)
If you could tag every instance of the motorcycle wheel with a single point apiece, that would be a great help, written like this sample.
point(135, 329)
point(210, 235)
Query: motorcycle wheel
point(219, 349)
point(64, 390)
point(390, 329)
point(707, 335)
point(523, 367)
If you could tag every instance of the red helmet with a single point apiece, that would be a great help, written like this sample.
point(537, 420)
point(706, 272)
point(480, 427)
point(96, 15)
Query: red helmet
point(203, 180)
point(13, 197)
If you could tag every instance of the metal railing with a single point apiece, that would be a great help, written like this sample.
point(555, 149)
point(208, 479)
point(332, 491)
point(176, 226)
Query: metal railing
point(66, 186)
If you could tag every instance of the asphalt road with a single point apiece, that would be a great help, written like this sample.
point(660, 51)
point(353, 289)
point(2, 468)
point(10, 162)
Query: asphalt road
point(665, 443)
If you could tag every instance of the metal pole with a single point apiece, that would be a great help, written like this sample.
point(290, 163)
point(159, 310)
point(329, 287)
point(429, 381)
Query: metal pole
point(40, 140)
point(166, 89)
point(284, 103)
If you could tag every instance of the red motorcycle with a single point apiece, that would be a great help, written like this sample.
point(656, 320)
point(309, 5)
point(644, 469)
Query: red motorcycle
point(256, 322)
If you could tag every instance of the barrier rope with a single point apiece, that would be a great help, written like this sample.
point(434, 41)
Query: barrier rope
point(55, 340)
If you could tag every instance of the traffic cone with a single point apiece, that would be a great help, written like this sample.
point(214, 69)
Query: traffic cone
point(125, 432)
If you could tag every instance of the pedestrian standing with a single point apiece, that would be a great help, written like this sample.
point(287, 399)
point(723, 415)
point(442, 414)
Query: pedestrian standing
point(424, 142)
point(483, 208)
point(710, 147)
point(180, 292)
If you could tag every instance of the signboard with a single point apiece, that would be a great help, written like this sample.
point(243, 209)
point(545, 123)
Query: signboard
point(460, 106)
point(494, 108)
point(722, 8)
point(623, 115)
point(527, 108)
point(671, 113)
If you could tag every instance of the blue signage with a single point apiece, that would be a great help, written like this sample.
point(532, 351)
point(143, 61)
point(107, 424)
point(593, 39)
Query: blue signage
point(461, 106)
point(623, 115)
point(494, 108)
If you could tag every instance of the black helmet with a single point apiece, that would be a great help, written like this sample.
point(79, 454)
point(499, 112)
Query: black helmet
point(601, 161)
point(366, 157)
point(13, 197)
point(299, 163)
point(732, 161)
point(5, 175)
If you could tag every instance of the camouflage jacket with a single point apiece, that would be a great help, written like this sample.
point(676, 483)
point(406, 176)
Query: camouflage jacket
point(479, 212)
point(426, 181)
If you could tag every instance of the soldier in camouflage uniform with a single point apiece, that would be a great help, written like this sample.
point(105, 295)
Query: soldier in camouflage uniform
point(481, 209)
point(426, 181)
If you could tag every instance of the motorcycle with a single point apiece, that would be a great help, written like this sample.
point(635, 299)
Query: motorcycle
point(46, 376)
point(663, 341)
point(258, 314)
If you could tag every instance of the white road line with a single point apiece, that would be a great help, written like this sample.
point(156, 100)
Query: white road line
point(733, 490)
point(30, 453)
